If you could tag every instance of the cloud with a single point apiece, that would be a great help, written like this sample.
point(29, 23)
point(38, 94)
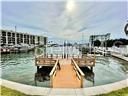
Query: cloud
point(53, 18)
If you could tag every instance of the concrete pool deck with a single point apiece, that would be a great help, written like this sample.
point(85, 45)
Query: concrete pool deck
point(43, 91)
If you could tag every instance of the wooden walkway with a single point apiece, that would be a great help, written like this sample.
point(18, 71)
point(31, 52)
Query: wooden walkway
point(66, 77)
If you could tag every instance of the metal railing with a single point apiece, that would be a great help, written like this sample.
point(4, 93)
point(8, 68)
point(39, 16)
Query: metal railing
point(78, 71)
point(53, 72)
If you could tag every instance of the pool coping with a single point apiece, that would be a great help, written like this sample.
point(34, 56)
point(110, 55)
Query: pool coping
point(89, 91)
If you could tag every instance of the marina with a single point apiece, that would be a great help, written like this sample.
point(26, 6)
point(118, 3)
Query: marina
point(65, 48)
point(22, 69)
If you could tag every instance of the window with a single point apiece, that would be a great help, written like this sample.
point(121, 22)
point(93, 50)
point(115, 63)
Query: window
point(9, 33)
point(3, 40)
point(13, 34)
point(3, 33)
point(17, 35)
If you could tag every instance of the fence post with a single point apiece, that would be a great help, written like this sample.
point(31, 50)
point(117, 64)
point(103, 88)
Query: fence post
point(82, 81)
point(51, 81)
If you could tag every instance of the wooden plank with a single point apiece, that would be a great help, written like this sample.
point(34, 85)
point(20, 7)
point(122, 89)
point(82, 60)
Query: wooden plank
point(87, 61)
point(80, 71)
point(40, 61)
point(66, 77)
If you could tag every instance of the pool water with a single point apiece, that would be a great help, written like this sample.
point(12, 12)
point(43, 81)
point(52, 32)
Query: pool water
point(21, 68)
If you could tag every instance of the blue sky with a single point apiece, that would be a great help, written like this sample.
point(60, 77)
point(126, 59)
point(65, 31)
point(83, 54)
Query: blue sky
point(54, 20)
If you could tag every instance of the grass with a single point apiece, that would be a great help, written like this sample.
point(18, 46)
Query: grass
point(121, 92)
point(9, 92)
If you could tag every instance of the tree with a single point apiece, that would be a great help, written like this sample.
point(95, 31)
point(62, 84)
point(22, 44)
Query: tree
point(97, 43)
point(116, 42)
point(85, 50)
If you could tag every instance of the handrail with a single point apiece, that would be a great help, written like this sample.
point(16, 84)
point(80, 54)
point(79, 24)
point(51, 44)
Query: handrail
point(87, 60)
point(53, 72)
point(43, 61)
point(76, 65)
point(79, 72)
point(54, 68)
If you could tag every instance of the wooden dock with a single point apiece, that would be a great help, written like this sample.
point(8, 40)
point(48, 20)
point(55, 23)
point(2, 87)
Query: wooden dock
point(65, 73)
point(85, 62)
point(66, 77)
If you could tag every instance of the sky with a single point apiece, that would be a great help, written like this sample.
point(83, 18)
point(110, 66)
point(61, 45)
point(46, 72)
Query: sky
point(67, 19)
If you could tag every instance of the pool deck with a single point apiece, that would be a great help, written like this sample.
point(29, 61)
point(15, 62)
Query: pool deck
point(32, 90)
point(66, 77)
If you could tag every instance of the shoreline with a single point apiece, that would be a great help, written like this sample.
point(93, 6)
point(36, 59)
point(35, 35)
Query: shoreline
point(31, 90)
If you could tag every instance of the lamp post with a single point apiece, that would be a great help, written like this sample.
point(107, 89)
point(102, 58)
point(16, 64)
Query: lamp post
point(82, 44)
point(15, 36)
point(82, 30)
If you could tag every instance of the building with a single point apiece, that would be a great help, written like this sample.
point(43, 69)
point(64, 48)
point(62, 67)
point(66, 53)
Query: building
point(101, 38)
point(13, 38)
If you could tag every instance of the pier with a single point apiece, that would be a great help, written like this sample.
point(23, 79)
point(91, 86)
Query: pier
point(68, 76)
point(65, 73)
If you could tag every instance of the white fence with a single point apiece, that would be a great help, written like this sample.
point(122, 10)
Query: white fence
point(123, 50)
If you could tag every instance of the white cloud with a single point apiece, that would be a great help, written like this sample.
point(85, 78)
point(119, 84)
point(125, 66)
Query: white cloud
point(96, 17)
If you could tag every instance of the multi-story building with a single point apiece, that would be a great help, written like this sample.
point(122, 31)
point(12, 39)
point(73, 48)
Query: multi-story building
point(10, 37)
point(101, 38)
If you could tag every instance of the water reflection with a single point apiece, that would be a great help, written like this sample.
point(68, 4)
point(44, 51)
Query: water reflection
point(89, 74)
point(42, 74)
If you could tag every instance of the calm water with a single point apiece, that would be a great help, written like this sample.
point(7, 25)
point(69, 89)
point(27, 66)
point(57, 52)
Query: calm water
point(21, 68)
